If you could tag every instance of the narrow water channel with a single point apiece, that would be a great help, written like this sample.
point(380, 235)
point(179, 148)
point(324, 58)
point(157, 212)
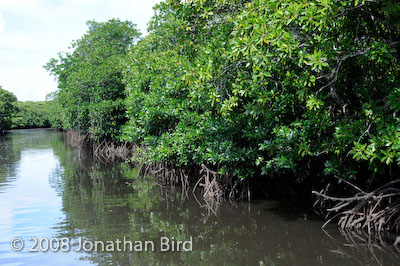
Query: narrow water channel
point(49, 190)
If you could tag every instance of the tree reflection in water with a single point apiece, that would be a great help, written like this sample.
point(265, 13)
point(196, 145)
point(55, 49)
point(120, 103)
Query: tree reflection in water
point(110, 201)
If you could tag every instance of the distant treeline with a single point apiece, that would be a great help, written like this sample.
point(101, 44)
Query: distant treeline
point(29, 114)
point(32, 115)
point(300, 90)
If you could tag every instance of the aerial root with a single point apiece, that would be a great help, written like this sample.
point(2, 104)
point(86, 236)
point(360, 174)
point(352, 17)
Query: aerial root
point(213, 186)
point(378, 210)
point(103, 150)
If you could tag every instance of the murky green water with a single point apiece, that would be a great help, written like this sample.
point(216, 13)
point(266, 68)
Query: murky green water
point(49, 190)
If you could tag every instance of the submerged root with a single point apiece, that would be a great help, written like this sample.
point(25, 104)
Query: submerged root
point(213, 186)
point(102, 150)
point(211, 192)
point(216, 187)
point(211, 189)
point(77, 139)
point(168, 175)
point(378, 210)
point(111, 151)
point(361, 246)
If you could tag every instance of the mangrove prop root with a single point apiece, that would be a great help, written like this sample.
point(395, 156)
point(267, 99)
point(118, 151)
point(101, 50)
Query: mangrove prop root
point(213, 186)
point(361, 246)
point(103, 150)
point(378, 210)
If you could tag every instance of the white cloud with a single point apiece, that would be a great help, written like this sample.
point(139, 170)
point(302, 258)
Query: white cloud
point(33, 31)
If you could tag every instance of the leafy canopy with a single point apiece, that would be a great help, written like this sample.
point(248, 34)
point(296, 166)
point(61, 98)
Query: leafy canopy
point(262, 87)
point(7, 108)
point(91, 92)
point(269, 86)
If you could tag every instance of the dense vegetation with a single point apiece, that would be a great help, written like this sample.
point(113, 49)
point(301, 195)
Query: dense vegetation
point(7, 109)
point(91, 93)
point(29, 114)
point(32, 114)
point(271, 88)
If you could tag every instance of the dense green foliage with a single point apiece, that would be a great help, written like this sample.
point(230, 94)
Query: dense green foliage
point(262, 87)
point(90, 95)
point(32, 114)
point(281, 86)
point(29, 114)
point(7, 108)
point(176, 87)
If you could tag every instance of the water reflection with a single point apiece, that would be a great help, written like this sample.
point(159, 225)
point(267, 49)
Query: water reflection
point(364, 248)
point(50, 189)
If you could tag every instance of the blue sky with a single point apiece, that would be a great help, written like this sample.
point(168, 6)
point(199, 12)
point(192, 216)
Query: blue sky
point(33, 31)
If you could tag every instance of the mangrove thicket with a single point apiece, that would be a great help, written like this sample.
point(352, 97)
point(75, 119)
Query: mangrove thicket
point(285, 93)
point(7, 109)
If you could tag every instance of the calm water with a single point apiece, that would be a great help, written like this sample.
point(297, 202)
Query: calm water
point(48, 189)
